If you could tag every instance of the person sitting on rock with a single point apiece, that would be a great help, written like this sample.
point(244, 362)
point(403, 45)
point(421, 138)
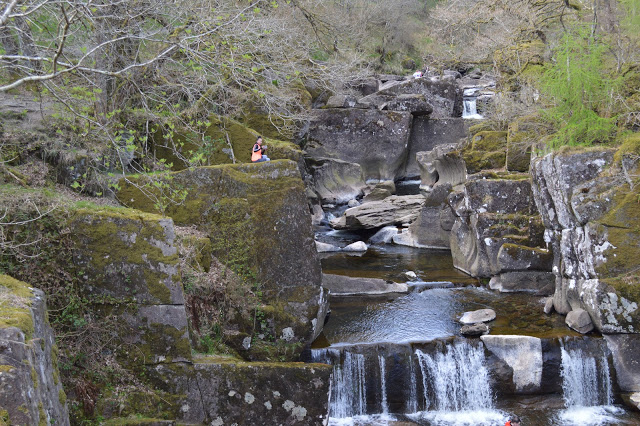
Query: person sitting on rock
point(258, 152)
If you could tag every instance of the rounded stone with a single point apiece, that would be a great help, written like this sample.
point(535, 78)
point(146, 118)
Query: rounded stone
point(479, 316)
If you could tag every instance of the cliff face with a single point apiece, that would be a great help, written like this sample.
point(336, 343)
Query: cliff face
point(590, 214)
point(30, 388)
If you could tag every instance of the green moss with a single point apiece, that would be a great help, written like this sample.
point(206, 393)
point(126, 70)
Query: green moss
point(124, 237)
point(62, 397)
point(17, 288)
point(14, 310)
point(6, 368)
point(630, 146)
point(489, 141)
point(623, 233)
point(34, 377)
point(4, 418)
point(42, 415)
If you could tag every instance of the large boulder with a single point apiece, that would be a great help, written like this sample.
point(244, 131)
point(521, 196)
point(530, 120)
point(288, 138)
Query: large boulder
point(344, 285)
point(441, 165)
point(523, 354)
point(30, 389)
point(376, 140)
point(590, 211)
point(429, 133)
point(443, 95)
point(130, 270)
point(393, 210)
point(336, 181)
point(624, 349)
point(257, 218)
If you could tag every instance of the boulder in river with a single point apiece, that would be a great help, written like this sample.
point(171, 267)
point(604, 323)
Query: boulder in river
point(472, 330)
point(344, 285)
point(479, 316)
point(523, 354)
point(394, 210)
point(579, 320)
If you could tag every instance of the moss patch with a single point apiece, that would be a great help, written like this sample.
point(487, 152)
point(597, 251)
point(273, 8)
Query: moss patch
point(15, 302)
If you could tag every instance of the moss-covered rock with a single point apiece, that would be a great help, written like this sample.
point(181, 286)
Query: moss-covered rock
point(29, 392)
point(487, 150)
point(224, 141)
point(126, 255)
point(523, 134)
point(257, 219)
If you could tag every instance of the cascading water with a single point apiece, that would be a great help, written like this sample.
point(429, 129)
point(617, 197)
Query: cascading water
point(383, 386)
point(586, 384)
point(585, 378)
point(348, 386)
point(457, 379)
point(469, 103)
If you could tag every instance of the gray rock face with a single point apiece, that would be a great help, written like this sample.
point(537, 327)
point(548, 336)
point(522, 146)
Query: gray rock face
point(625, 349)
point(494, 226)
point(341, 101)
point(106, 243)
point(444, 96)
point(426, 231)
point(500, 196)
point(381, 191)
point(523, 354)
point(441, 166)
point(376, 140)
point(540, 283)
point(336, 181)
point(257, 209)
point(384, 236)
point(592, 248)
point(556, 176)
point(514, 257)
point(394, 210)
point(30, 390)
point(344, 285)
point(481, 315)
point(579, 320)
point(289, 394)
point(416, 104)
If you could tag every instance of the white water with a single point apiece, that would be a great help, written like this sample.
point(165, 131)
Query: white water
point(457, 379)
point(412, 402)
point(470, 110)
point(585, 379)
point(383, 386)
point(586, 386)
point(348, 384)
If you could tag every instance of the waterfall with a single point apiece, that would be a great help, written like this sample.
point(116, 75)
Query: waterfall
point(469, 104)
point(456, 379)
point(348, 387)
point(412, 402)
point(383, 386)
point(585, 378)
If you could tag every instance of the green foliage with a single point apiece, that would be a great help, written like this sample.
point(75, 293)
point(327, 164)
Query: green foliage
point(631, 20)
point(581, 90)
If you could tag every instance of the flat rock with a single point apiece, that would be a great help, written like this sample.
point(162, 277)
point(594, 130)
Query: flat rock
point(479, 329)
point(326, 248)
point(479, 316)
point(344, 285)
point(394, 210)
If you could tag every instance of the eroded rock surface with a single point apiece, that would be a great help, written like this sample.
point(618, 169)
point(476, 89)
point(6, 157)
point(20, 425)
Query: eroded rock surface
point(30, 389)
